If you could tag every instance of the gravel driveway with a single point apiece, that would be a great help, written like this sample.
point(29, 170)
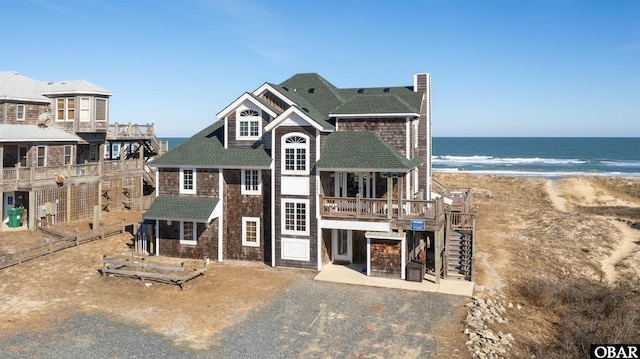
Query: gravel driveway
point(308, 320)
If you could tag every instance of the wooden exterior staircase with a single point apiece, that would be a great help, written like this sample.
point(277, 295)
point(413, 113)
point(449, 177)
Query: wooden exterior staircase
point(459, 246)
point(149, 147)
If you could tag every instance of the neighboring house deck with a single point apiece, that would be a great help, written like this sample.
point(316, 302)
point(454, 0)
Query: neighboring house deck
point(53, 138)
point(303, 173)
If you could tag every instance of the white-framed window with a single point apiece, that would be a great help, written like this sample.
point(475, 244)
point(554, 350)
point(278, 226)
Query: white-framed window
point(68, 154)
point(41, 156)
point(295, 216)
point(101, 109)
point(295, 249)
point(251, 182)
point(188, 180)
point(249, 125)
point(107, 150)
point(21, 112)
point(85, 109)
point(295, 149)
point(188, 233)
point(65, 109)
point(251, 231)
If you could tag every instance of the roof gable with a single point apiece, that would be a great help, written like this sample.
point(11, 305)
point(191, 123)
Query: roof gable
point(296, 115)
point(244, 98)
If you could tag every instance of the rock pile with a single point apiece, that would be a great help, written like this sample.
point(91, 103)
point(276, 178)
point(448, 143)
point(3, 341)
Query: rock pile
point(483, 343)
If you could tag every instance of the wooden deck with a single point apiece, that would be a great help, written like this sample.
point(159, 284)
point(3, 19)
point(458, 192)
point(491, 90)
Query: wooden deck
point(401, 212)
point(16, 178)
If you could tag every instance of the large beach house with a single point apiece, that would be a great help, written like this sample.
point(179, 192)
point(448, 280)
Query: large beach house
point(57, 152)
point(303, 173)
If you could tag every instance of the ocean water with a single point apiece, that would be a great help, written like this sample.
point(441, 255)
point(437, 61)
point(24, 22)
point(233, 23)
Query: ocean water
point(173, 141)
point(533, 157)
point(539, 157)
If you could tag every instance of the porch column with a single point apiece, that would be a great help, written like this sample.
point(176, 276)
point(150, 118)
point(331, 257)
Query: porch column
point(389, 197)
point(403, 253)
point(141, 182)
point(33, 211)
point(221, 218)
point(368, 256)
point(439, 244)
point(69, 217)
point(1, 162)
point(157, 234)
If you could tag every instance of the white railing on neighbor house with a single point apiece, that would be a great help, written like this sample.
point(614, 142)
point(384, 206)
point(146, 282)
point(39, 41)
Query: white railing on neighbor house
point(28, 175)
point(117, 130)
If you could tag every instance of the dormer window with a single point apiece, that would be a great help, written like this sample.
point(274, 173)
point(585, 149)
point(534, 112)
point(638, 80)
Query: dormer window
point(249, 125)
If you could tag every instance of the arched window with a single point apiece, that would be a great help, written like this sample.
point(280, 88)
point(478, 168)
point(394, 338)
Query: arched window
point(249, 124)
point(295, 149)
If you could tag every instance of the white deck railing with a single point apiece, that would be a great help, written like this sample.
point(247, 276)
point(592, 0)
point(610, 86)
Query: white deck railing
point(356, 207)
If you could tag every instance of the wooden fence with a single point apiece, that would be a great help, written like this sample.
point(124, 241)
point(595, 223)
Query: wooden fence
point(59, 238)
point(130, 265)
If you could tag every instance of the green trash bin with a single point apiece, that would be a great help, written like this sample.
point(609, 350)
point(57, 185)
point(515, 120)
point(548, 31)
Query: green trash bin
point(14, 217)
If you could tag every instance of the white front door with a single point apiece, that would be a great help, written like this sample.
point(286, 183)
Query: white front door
point(342, 246)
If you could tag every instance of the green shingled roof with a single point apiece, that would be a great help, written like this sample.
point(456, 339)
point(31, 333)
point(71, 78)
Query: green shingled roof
point(319, 98)
point(205, 150)
point(374, 104)
point(404, 94)
point(363, 150)
point(195, 209)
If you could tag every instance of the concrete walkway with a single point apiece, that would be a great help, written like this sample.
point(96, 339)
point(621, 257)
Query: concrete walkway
point(354, 274)
point(4, 227)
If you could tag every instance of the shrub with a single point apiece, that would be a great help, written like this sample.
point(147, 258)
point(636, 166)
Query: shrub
point(590, 312)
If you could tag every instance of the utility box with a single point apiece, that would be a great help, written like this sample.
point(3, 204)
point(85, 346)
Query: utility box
point(415, 271)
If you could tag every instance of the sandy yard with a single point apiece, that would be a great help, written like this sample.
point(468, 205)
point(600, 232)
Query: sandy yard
point(39, 293)
point(526, 227)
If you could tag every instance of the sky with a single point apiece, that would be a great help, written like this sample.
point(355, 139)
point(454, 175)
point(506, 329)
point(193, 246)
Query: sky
point(498, 67)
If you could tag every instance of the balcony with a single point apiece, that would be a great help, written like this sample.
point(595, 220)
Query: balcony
point(379, 209)
point(14, 178)
point(128, 132)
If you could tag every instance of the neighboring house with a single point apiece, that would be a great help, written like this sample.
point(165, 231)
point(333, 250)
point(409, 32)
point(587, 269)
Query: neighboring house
point(303, 173)
point(52, 144)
